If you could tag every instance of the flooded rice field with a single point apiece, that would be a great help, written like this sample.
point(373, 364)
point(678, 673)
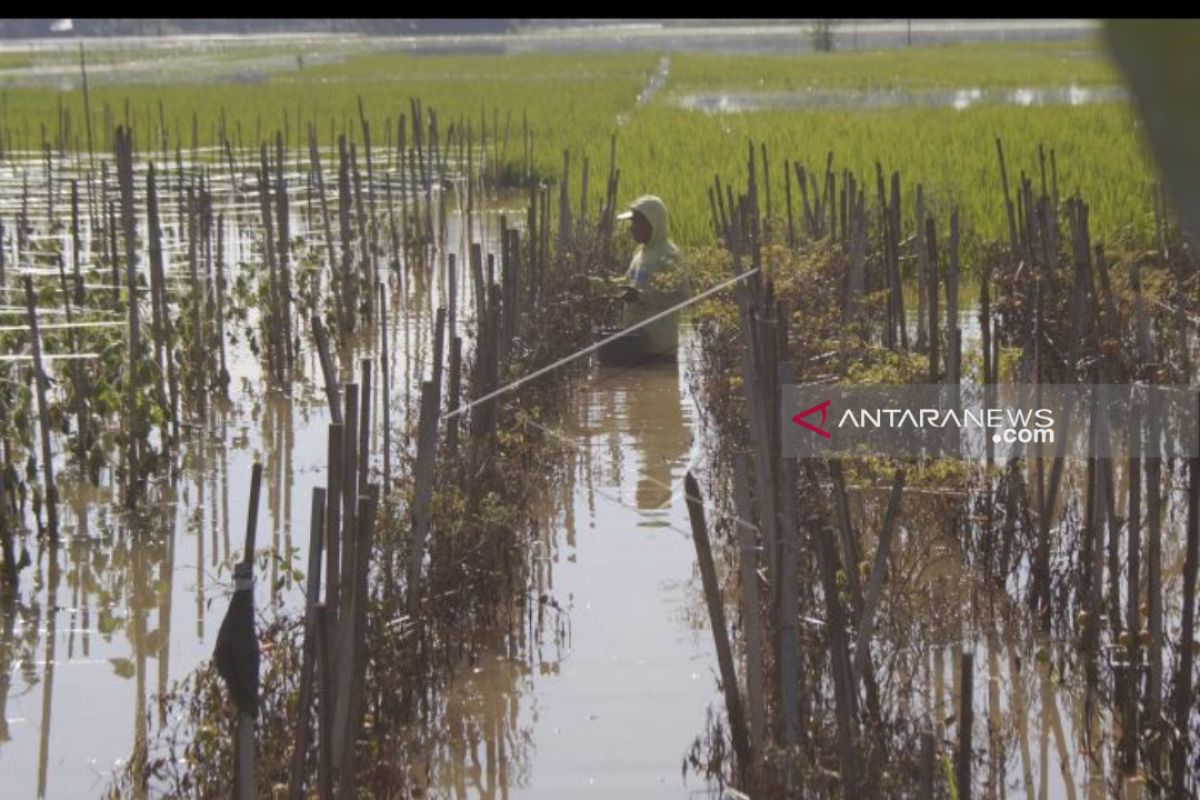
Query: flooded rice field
point(614, 557)
point(114, 605)
point(313, 483)
point(124, 604)
point(101, 628)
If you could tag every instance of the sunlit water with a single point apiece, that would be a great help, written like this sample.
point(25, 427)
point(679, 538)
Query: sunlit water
point(612, 714)
point(733, 102)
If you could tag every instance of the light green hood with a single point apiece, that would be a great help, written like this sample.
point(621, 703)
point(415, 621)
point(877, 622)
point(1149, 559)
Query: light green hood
point(655, 212)
point(660, 252)
point(659, 255)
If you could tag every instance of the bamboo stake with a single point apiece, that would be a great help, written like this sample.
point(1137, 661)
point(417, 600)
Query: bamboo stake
point(349, 496)
point(455, 392)
point(716, 615)
point(845, 695)
point(931, 282)
point(113, 258)
point(356, 659)
point(385, 374)
point(925, 773)
point(157, 292)
point(311, 644)
point(87, 109)
point(364, 270)
point(345, 195)
point(787, 192)
point(966, 721)
point(1154, 594)
point(314, 157)
point(953, 332)
point(1187, 644)
point(79, 386)
point(221, 289)
point(364, 423)
point(1133, 656)
point(333, 504)
point(125, 176)
point(76, 243)
point(244, 575)
point(423, 488)
point(285, 269)
point(35, 340)
point(862, 665)
point(850, 549)
point(275, 359)
point(1008, 205)
point(750, 610)
point(328, 370)
point(324, 702)
point(866, 623)
point(893, 231)
point(922, 268)
point(752, 388)
point(787, 599)
point(195, 372)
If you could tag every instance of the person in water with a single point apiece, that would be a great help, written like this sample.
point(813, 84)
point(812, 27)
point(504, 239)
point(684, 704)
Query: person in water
point(655, 280)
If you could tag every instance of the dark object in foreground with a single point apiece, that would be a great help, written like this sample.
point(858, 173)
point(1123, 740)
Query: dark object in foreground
point(716, 618)
point(236, 652)
point(630, 349)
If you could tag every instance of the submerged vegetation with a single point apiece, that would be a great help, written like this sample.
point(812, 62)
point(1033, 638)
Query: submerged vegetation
point(865, 583)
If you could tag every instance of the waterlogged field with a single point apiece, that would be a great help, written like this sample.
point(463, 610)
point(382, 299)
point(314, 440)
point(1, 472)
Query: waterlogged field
point(559, 643)
point(578, 102)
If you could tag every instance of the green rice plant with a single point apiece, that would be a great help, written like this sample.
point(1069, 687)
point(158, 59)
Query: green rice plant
point(578, 102)
point(1001, 65)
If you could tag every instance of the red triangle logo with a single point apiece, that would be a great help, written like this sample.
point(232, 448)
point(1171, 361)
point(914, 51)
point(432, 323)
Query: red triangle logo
point(800, 420)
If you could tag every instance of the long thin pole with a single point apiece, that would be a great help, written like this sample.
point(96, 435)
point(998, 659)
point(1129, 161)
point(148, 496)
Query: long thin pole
point(35, 339)
point(245, 572)
point(716, 614)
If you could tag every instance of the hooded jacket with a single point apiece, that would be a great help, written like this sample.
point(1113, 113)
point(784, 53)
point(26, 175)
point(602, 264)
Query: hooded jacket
point(658, 276)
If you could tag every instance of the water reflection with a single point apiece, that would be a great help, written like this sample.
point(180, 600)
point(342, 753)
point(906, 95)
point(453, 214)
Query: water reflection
point(601, 690)
point(125, 604)
point(733, 102)
point(641, 411)
point(1047, 730)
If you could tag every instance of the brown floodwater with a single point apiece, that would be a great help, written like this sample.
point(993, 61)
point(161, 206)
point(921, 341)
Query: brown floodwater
point(105, 620)
point(124, 605)
point(611, 709)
